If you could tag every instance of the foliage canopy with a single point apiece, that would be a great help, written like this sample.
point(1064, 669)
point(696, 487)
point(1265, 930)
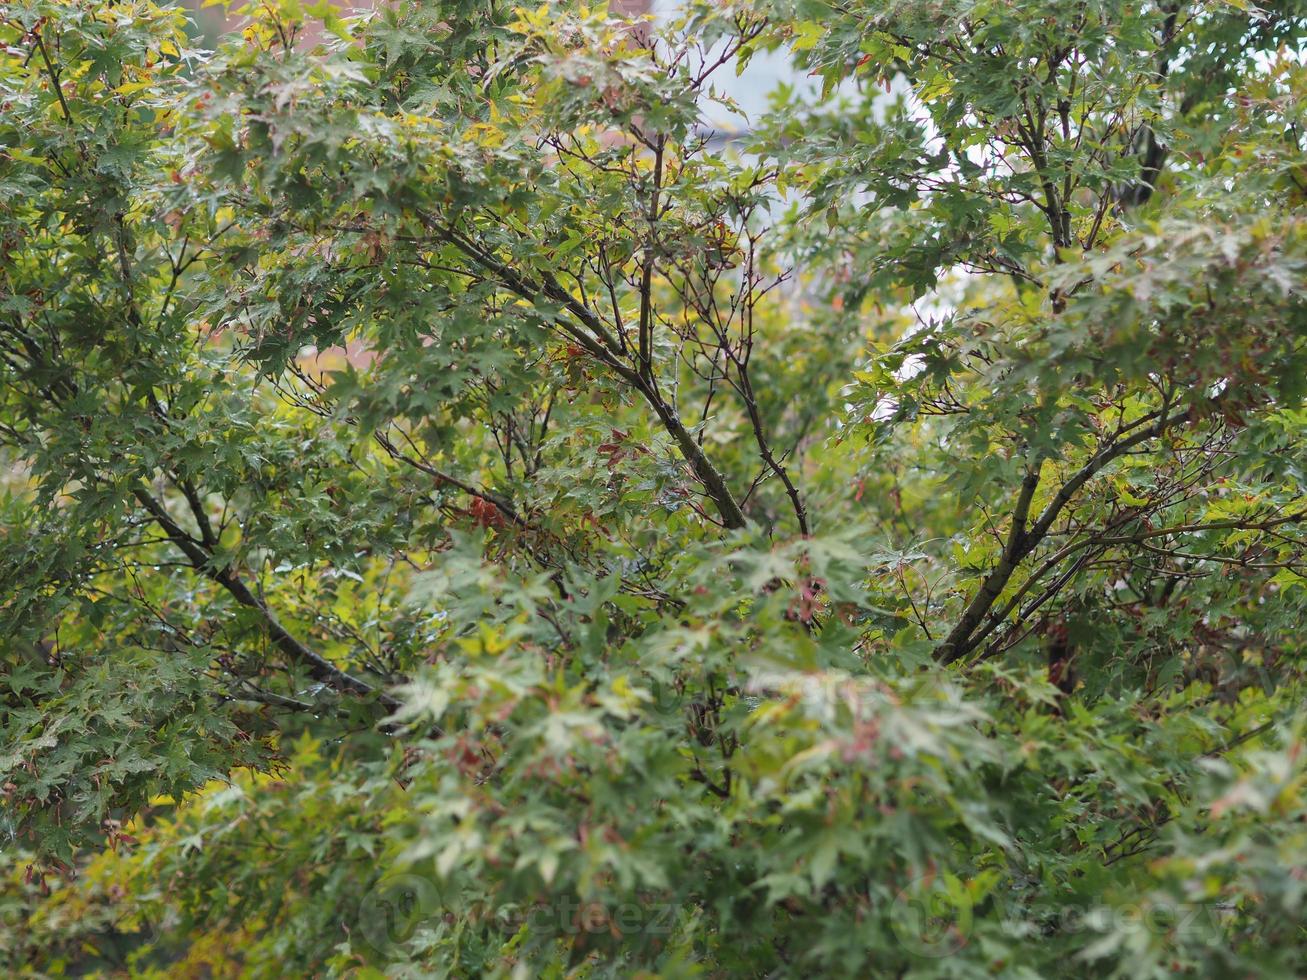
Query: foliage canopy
point(462, 517)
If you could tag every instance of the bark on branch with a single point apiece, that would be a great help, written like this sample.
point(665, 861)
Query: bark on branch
point(201, 560)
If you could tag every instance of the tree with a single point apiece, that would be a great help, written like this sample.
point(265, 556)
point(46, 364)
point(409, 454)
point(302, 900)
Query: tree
point(461, 518)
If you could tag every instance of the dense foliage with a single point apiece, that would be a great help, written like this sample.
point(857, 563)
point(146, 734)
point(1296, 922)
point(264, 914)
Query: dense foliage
point(462, 517)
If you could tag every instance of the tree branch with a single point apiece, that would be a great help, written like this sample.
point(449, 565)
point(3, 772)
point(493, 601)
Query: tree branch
point(960, 640)
point(202, 561)
point(591, 334)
